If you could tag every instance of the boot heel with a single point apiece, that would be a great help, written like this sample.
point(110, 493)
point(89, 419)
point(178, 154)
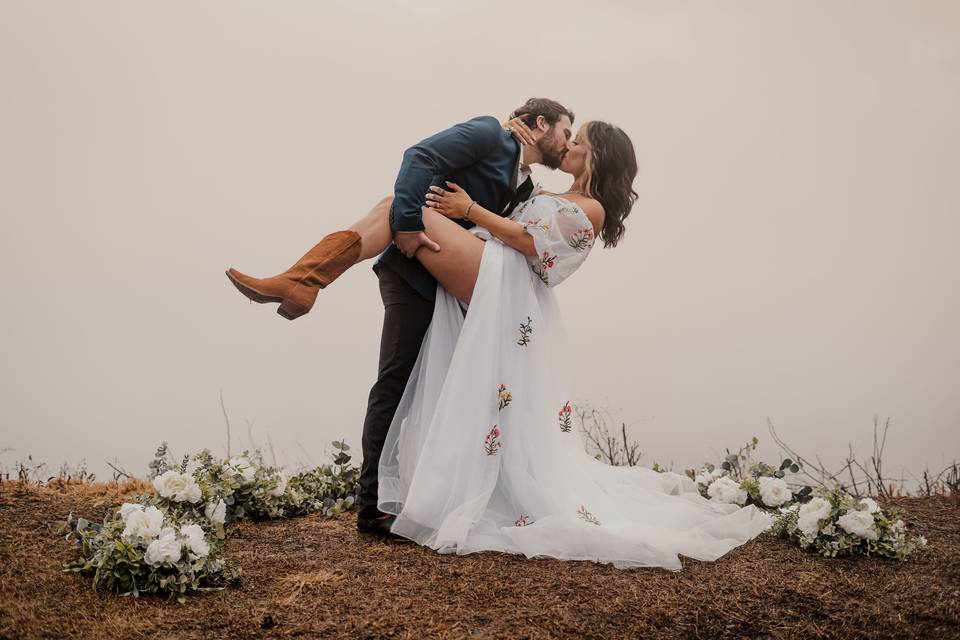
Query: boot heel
point(291, 310)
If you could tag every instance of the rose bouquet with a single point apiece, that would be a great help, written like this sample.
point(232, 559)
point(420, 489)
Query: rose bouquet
point(835, 523)
point(144, 549)
point(171, 541)
point(740, 479)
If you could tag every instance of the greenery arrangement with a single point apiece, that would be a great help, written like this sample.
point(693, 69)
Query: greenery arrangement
point(830, 521)
point(172, 542)
point(835, 523)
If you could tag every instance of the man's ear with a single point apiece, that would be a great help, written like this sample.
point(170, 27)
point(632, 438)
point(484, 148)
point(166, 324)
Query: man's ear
point(542, 124)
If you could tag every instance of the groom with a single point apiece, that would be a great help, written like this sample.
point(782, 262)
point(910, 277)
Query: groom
point(485, 159)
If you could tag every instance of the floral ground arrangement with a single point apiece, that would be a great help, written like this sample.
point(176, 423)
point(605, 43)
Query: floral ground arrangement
point(313, 576)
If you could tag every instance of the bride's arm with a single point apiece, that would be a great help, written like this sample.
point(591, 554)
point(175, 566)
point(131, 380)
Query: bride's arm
point(454, 204)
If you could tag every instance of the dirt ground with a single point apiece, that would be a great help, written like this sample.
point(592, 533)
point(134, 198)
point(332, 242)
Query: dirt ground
point(315, 577)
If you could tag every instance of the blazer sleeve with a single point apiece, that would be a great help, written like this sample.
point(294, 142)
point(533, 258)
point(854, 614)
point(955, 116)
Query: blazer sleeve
point(451, 150)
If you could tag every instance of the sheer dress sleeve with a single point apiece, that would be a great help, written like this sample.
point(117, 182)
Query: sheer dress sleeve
point(562, 234)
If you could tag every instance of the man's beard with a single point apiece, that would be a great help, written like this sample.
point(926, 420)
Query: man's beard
point(552, 155)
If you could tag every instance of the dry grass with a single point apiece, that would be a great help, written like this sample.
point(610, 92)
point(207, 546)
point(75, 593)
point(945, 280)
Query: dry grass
point(314, 577)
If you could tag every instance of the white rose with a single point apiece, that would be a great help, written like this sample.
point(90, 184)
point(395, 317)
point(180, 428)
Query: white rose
point(166, 548)
point(870, 504)
point(774, 491)
point(859, 523)
point(127, 508)
point(243, 466)
point(706, 477)
point(810, 515)
point(278, 490)
point(727, 490)
point(145, 523)
point(216, 512)
point(177, 486)
point(195, 540)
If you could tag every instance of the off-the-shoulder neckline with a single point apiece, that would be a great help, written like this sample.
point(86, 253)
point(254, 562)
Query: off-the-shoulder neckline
point(555, 197)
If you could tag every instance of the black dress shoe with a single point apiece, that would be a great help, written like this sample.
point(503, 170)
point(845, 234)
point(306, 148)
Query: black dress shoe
point(380, 527)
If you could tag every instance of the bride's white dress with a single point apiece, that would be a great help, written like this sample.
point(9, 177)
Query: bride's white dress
point(483, 453)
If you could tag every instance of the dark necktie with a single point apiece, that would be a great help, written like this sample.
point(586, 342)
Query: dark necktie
point(523, 192)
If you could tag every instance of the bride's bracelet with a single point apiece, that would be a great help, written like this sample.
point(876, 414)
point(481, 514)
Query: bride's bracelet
point(466, 214)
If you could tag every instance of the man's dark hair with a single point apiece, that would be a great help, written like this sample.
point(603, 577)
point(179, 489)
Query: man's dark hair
point(551, 110)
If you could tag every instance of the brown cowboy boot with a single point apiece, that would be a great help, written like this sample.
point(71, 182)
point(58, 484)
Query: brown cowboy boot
point(296, 288)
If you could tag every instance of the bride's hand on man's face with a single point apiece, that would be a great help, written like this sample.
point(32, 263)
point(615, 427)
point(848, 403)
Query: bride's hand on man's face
point(520, 131)
point(452, 204)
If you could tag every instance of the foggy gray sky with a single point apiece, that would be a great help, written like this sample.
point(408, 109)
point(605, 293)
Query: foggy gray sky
point(793, 252)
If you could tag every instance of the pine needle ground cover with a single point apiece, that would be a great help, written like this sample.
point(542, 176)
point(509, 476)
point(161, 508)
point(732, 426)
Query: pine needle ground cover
point(314, 576)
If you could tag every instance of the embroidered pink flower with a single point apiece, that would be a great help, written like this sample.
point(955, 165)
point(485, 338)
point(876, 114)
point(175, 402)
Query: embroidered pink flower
point(582, 239)
point(548, 261)
point(566, 417)
point(491, 444)
point(522, 521)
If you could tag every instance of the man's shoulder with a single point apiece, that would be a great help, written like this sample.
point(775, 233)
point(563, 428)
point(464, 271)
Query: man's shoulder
point(486, 126)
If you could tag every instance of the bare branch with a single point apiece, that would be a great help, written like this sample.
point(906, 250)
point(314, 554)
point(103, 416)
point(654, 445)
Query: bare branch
point(227, 420)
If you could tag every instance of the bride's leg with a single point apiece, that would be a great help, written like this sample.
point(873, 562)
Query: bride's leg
point(374, 230)
point(457, 264)
point(296, 288)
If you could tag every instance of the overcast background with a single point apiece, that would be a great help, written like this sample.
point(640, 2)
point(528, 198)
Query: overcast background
point(793, 252)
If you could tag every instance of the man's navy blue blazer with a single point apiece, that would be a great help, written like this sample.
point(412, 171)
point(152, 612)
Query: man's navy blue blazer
point(479, 155)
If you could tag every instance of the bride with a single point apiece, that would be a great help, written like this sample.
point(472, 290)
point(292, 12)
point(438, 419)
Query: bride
point(481, 454)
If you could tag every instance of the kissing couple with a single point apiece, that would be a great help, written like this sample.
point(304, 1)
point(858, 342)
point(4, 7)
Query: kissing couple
point(469, 443)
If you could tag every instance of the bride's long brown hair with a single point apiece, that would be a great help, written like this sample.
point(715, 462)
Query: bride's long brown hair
point(610, 169)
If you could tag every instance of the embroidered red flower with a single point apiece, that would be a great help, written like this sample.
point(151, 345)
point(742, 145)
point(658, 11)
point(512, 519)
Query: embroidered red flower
point(548, 261)
point(491, 444)
point(582, 239)
point(566, 417)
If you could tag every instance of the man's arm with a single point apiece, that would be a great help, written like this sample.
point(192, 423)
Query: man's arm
point(455, 148)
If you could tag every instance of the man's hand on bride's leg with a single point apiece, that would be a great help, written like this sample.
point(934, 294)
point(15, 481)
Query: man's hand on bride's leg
point(409, 242)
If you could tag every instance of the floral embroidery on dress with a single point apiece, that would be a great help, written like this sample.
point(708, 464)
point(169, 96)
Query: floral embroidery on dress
point(537, 269)
point(537, 223)
point(583, 514)
point(562, 234)
point(504, 396)
point(522, 521)
point(491, 444)
point(566, 413)
point(581, 240)
point(526, 329)
point(547, 261)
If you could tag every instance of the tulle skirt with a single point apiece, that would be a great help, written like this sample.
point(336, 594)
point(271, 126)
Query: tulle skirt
point(483, 453)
